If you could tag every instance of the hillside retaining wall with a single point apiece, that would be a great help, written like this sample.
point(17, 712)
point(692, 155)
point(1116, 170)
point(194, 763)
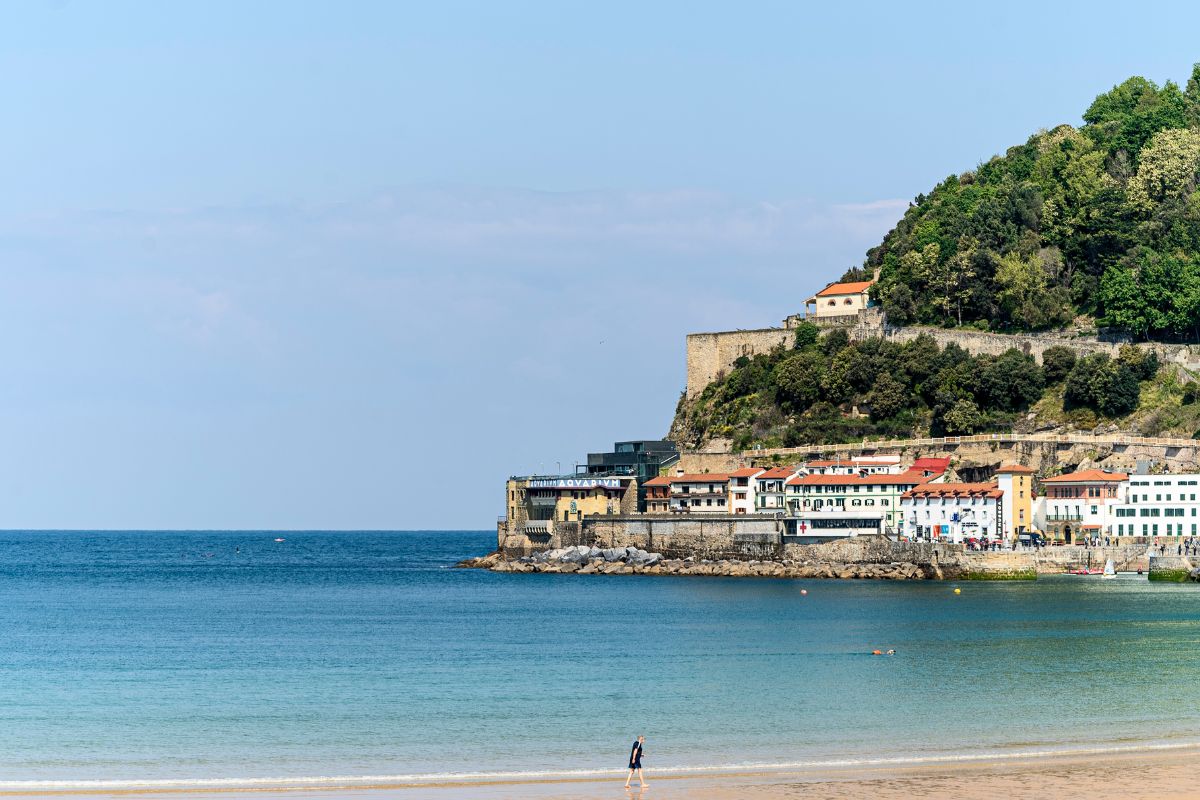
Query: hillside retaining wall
point(711, 354)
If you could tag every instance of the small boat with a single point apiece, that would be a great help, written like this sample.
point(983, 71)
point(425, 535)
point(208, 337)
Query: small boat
point(281, 540)
point(1083, 571)
point(1110, 570)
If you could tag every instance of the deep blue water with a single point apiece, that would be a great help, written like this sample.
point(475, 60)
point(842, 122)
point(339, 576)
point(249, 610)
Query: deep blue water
point(127, 656)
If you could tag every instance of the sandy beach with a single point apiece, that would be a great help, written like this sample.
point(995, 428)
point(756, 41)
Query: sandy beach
point(1168, 773)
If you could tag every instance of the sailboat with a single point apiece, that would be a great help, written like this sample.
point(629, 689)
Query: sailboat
point(1110, 570)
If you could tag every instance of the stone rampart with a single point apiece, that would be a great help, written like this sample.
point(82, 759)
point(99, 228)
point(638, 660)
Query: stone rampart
point(711, 354)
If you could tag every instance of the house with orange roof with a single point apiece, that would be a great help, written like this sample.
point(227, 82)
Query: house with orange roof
point(658, 495)
point(1080, 505)
point(839, 300)
point(704, 493)
point(1016, 481)
point(769, 489)
point(741, 489)
point(955, 512)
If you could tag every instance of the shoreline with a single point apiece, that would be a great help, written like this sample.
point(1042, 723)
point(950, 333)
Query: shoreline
point(1162, 769)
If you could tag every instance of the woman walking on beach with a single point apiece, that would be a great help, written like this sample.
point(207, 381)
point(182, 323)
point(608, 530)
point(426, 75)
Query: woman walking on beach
point(635, 762)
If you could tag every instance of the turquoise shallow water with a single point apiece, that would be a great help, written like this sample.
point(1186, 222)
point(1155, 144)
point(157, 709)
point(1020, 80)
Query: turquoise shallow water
point(173, 656)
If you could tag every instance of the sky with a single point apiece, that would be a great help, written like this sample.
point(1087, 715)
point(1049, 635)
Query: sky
point(348, 265)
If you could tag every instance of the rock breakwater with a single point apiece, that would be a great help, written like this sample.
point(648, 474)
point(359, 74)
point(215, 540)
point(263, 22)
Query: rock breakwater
point(583, 560)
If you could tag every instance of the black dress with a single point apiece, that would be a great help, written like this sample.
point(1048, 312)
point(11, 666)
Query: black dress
point(635, 756)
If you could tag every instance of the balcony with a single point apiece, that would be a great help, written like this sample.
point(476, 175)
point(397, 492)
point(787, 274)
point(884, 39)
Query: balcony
point(1066, 516)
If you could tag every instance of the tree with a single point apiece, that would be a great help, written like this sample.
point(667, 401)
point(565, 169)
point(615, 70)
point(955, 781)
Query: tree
point(798, 379)
point(899, 305)
point(1142, 363)
point(835, 384)
point(1088, 382)
point(806, 335)
point(1057, 361)
point(1169, 169)
point(1123, 392)
point(963, 418)
point(1011, 382)
point(888, 397)
point(834, 341)
point(1024, 294)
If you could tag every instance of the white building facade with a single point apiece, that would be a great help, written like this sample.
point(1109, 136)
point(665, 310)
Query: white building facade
point(700, 494)
point(742, 490)
point(769, 490)
point(1158, 505)
point(954, 512)
point(858, 503)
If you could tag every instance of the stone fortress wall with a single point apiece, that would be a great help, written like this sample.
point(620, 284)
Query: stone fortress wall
point(709, 355)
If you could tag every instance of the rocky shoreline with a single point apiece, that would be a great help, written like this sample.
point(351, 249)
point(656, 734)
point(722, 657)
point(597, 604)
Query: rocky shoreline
point(583, 560)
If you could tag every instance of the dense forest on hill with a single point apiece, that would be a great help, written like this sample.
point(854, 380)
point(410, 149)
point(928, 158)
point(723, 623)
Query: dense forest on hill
point(827, 389)
point(1101, 221)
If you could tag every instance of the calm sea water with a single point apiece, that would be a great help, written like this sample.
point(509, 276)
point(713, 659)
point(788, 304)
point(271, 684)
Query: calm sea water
point(203, 656)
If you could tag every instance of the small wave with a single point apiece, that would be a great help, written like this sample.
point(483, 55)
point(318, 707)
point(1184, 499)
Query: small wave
point(535, 776)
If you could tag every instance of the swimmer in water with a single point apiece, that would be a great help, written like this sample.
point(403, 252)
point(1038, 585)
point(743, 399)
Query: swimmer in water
point(891, 652)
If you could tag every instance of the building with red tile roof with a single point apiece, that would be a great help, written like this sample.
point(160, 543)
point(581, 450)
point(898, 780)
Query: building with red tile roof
point(839, 299)
point(1081, 500)
point(742, 489)
point(769, 490)
point(703, 493)
point(823, 499)
point(658, 495)
point(1088, 476)
point(954, 512)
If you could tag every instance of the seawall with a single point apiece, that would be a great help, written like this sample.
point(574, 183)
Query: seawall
point(749, 538)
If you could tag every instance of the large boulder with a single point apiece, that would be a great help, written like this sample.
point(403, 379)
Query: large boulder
point(574, 555)
point(613, 553)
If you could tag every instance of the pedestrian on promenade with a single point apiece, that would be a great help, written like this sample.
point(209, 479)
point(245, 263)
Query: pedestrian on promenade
point(635, 762)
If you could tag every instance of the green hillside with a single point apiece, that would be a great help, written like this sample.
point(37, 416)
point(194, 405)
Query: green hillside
point(826, 389)
point(1101, 221)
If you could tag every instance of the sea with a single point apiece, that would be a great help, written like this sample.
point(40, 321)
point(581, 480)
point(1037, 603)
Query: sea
point(235, 659)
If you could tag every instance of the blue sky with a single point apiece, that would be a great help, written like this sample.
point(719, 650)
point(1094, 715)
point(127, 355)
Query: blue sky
point(348, 265)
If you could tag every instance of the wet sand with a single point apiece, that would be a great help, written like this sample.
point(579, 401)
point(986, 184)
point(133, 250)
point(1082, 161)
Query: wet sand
point(1140, 774)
